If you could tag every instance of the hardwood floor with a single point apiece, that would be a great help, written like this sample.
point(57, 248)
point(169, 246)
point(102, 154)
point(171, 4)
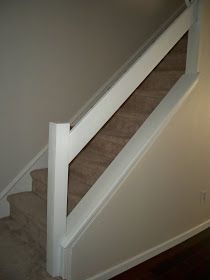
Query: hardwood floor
point(188, 261)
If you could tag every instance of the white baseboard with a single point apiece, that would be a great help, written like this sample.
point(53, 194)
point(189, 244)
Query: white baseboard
point(4, 208)
point(115, 270)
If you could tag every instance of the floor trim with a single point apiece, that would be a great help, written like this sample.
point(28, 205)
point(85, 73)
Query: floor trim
point(115, 270)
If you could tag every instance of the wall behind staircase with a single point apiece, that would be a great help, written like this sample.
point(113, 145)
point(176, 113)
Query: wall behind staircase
point(54, 56)
point(160, 199)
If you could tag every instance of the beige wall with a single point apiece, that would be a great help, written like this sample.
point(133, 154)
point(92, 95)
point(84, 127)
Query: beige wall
point(54, 56)
point(161, 197)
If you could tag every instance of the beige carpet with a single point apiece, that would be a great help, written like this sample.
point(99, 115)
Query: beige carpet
point(19, 258)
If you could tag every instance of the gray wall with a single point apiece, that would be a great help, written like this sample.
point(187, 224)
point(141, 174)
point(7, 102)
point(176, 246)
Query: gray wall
point(160, 199)
point(54, 56)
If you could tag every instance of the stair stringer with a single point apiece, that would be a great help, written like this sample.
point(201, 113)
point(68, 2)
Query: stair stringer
point(106, 187)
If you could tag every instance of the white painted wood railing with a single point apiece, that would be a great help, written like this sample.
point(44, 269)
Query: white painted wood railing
point(65, 144)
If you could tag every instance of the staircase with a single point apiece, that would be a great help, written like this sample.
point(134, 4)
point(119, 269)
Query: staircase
point(29, 209)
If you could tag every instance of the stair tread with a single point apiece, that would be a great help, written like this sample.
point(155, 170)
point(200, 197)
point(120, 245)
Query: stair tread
point(30, 205)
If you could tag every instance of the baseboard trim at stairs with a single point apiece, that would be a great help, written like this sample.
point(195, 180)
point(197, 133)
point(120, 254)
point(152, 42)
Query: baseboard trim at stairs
point(4, 208)
point(115, 270)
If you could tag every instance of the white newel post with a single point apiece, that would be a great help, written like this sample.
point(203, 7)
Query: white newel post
point(57, 193)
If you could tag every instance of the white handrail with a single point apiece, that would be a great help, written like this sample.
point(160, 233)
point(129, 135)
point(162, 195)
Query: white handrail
point(64, 145)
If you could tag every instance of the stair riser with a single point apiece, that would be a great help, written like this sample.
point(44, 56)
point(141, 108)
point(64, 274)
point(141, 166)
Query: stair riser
point(39, 188)
point(40, 175)
point(35, 232)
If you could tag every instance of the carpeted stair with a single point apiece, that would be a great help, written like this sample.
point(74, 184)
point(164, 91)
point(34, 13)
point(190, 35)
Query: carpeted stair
point(28, 209)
